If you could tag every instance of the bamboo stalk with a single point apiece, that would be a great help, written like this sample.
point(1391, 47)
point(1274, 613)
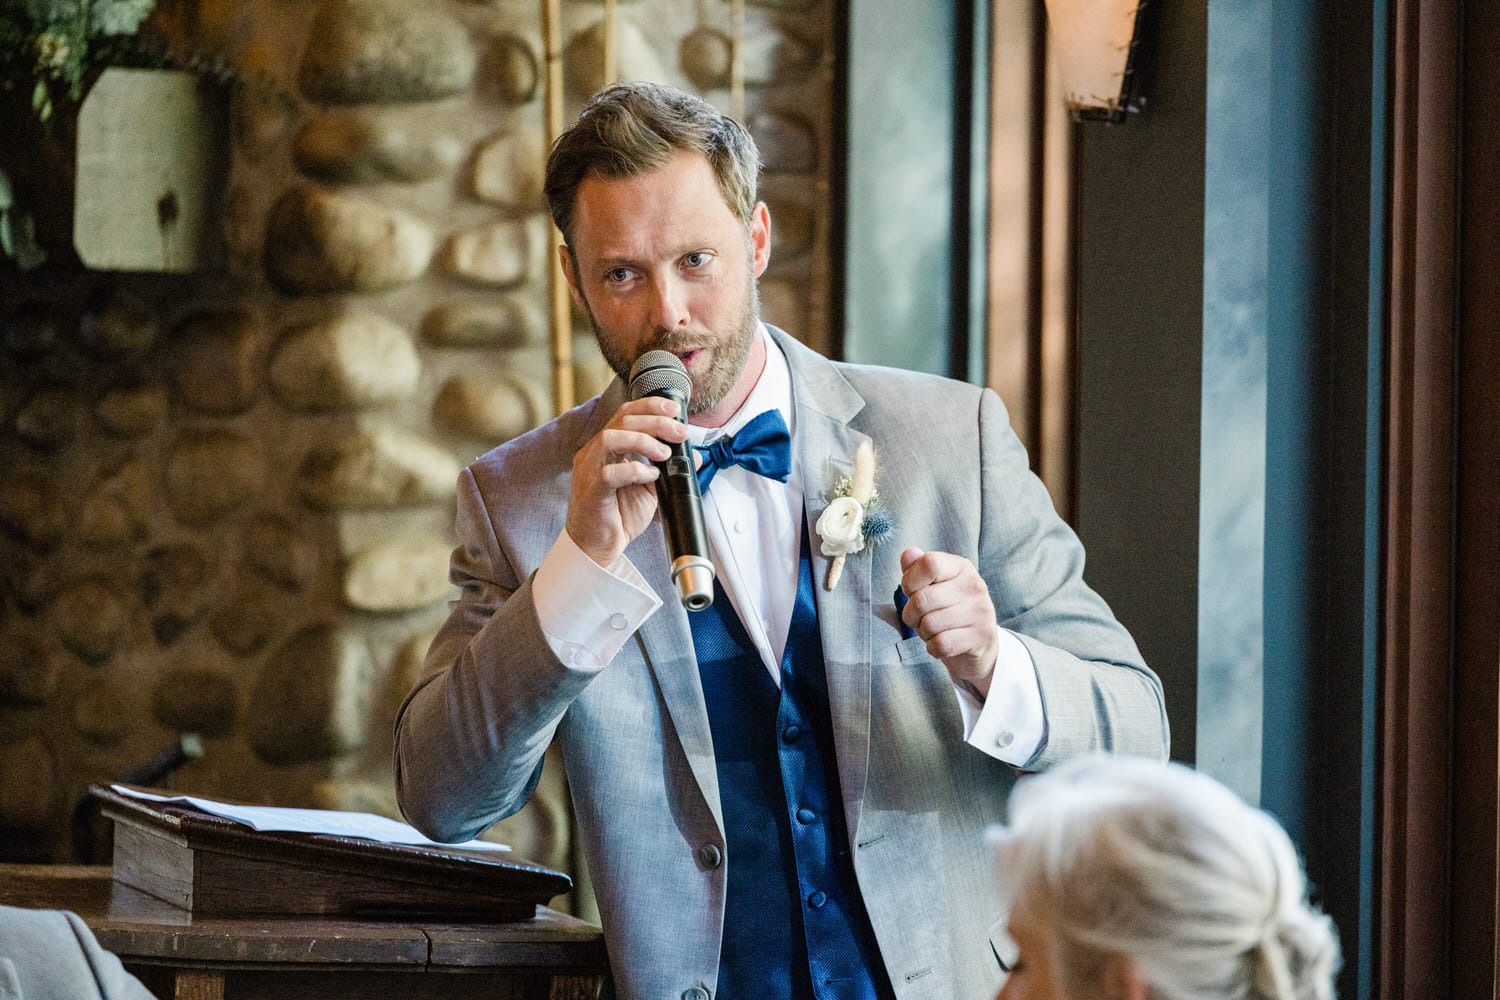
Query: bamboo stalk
point(561, 317)
point(737, 60)
point(611, 44)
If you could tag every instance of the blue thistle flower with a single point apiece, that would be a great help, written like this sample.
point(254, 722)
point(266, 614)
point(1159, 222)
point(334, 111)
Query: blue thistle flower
point(878, 525)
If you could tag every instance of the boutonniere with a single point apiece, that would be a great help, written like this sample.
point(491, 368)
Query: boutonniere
point(854, 515)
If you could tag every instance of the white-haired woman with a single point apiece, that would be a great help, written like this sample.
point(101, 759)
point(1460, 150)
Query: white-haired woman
point(1129, 879)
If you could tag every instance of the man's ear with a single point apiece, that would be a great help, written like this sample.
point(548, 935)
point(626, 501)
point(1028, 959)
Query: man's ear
point(570, 272)
point(760, 237)
point(1120, 979)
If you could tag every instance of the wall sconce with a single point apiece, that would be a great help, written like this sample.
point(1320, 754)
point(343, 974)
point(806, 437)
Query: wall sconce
point(1095, 43)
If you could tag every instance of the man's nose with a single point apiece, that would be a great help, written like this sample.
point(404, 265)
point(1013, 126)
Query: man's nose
point(668, 304)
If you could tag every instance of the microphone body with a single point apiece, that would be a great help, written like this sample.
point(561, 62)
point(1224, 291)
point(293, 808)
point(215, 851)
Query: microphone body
point(661, 373)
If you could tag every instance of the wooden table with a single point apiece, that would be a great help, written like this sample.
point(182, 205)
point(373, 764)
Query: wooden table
point(181, 957)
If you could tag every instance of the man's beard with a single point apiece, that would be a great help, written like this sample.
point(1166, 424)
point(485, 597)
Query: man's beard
point(727, 352)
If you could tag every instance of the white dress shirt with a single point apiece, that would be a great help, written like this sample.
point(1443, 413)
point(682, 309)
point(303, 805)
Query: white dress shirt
point(588, 611)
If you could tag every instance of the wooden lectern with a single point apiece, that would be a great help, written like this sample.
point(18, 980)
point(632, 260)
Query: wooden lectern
point(204, 908)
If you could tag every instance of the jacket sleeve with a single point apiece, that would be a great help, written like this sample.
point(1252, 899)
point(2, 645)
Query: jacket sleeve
point(110, 975)
point(52, 953)
point(1097, 692)
point(471, 734)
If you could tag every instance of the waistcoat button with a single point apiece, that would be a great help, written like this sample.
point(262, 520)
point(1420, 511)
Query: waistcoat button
point(710, 856)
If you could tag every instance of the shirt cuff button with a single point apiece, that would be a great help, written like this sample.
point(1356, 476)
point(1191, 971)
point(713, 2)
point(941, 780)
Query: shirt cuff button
point(618, 622)
point(1004, 738)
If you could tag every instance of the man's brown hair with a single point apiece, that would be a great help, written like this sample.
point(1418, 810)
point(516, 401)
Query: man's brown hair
point(634, 128)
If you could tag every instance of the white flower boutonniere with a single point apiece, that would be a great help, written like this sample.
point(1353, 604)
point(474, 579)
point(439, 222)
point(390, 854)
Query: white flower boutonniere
point(840, 527)
point(853, 517)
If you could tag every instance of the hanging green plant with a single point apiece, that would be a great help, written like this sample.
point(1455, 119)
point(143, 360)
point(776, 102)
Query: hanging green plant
point(51, 53)
point(48, 47)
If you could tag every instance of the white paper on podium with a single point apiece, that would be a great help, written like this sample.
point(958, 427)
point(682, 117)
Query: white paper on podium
point(331, 821)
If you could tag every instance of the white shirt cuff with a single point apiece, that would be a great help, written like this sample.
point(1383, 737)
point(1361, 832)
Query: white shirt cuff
point(1010, 724)
point(587, 611)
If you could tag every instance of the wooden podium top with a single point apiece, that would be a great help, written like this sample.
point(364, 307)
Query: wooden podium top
point(209, 865)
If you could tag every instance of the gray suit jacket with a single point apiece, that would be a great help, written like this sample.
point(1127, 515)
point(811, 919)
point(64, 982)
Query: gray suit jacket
point(635, 735)
point(52, 955)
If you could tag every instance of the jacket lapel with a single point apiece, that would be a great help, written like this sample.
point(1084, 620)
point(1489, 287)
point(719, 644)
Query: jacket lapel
point(666, 638)
point(666, 641)
point(823, 448)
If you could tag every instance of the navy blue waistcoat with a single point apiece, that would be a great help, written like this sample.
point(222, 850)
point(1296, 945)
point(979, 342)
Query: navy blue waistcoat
point(794, 923)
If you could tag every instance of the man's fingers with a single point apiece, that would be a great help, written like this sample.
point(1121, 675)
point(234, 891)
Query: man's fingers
point(618, 442)
point(947, 644)
point(925, 595)
point(618, 475)
point(653, 414)
point(658, 405)
point(944, 593)
point(948, 604)
point(654, 424)
point(922, 569)
point(931, 613)
point(641, 428)
point(611, 500)
point(951, 618)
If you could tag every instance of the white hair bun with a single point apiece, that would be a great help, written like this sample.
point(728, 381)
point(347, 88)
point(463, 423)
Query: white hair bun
point(1202, 893)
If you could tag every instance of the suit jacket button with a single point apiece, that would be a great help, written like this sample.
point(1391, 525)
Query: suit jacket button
point(695, 993)
point(710, 856)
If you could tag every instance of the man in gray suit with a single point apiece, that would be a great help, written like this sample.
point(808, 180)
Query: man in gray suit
point(52, 955)
point(782, 795)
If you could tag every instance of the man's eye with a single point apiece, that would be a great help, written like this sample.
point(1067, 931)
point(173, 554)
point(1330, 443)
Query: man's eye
point(617, 275)
point(696, 259)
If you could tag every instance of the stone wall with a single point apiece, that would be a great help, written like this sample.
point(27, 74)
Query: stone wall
point(226, 498)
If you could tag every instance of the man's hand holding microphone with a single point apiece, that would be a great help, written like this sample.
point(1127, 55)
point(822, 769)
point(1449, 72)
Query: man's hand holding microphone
point(614, 495)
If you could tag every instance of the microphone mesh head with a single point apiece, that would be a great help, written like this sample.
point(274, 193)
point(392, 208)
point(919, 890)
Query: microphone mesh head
point(658, 371)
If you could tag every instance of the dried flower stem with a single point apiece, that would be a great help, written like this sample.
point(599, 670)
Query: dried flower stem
point(864, 473)
point(862, 488)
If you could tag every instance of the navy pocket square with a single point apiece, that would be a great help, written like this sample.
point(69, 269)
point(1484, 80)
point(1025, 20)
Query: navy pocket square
point(906, 630)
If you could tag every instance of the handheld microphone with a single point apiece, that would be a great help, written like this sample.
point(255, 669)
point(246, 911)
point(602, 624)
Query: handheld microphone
point(661, 373)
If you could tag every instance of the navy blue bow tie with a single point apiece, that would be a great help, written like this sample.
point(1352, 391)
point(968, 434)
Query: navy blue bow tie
point(764, 446)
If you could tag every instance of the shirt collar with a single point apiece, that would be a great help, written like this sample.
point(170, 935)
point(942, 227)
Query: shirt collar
point(772, 391)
